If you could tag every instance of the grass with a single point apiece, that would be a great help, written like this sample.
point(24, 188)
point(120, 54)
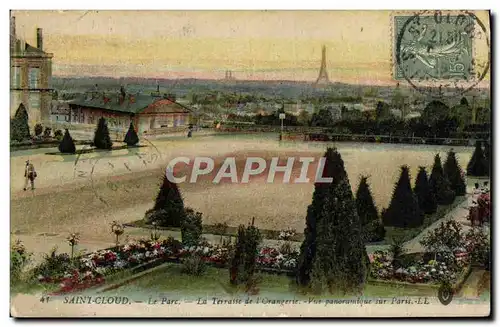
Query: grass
point(406, 234)
point(216, 281)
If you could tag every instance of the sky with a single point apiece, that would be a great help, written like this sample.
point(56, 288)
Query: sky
point(268, 45)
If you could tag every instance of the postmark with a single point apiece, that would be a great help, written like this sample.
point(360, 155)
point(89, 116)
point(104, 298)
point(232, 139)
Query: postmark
point(137, 159)
point(441, 52)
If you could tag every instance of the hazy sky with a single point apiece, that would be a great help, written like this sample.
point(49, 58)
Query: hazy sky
point(203, 44)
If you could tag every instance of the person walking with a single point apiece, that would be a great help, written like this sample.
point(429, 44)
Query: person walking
point(29, 175)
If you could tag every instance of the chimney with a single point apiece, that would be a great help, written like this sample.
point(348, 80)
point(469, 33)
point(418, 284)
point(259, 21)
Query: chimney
point(39, 39)
point(13, 34)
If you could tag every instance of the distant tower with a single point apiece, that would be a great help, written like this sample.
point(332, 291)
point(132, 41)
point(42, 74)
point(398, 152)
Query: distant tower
point(323, 75)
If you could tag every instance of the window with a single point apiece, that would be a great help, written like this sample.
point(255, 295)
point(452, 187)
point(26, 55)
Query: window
point(16, 77)
point(34, 78)
point(35, 100)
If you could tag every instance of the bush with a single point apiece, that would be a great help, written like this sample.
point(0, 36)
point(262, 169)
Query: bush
point(191, 228)
point(426, 198)
point(131, 137)
point(19, 128)
point(194, 265)
point(453, 173)
point(38, 129)
point(54, 265)
point(375, 231)
point(168, 210)
point(403, 211)
point(47, 132)
point(439, 185)
point(478, 166)
point(58, 134)
point(101, 136)
point(447, 237)
point(67, 145)
point(19, 258)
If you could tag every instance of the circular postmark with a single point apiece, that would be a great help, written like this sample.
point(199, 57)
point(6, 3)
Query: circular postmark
point(445, 294)
point(441, 53)
point(101, 166)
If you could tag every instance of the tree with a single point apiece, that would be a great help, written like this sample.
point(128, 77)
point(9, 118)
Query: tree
point(323, 118)
point(304, 118)
point(371, 226)
point(38, 129)
point(67, 145)
point(426, 198)
point(238, 259)
point(453, 173)
point(333, 254)
point(19, 128)
point(168, 210)
point(131, 137)
point(382, 111)
point(464, 102)
point(403, 211)
point(101, 136)
point(440, 186)
point(478, 165)
point(447, 237)
point(191, 228)
point(435, 110)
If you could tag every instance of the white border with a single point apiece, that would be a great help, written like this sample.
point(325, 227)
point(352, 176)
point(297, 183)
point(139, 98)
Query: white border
point(200, 4)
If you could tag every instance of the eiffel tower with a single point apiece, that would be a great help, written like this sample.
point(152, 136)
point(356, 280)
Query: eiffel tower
point(323, 75)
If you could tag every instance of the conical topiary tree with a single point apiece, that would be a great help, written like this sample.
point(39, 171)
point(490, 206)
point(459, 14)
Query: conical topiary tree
point(339, 260)
point(371, 226)
point(477, 165)
point(426, 198)
point(67, 145)
point(169, 209)
point(403, 210)
point(439, 184)
point(131, 137)
point(101, 136)
point(453, 173)
point(19, 128)
point(236, 270)
point(308, 247)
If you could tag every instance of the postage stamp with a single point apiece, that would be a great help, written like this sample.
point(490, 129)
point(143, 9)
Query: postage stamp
point(440, 47)
point(193, 164)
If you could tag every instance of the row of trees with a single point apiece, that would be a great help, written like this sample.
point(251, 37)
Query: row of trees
point(409, 206)
point(102, 140)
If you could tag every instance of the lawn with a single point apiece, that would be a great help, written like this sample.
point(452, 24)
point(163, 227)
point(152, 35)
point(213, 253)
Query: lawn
point(215, 282)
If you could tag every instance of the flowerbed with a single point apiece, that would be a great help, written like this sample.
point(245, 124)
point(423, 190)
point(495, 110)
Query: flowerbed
point(446, 267)
point(91, 269)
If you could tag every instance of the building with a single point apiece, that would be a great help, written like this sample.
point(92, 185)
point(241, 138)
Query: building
point(148, 112)
point(31, 72)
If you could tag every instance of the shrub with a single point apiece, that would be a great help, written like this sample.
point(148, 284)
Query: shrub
point(19, 258)
point(375, 231)
point(446, 237)
point(19, 128)
point(439, 185)
point(67, 145)
point(131, 137)
point(53, 264)
point(477, 166)
point(168, 210)
point(47, 132)
point(397, 250)
point(367, 211)
point(101, 136)
point(403, 211)
point(193, 265)
point(58, 134)
point(453, 173)
point(38, 129)
point(191, 228)
point(477, 244)
point(426, 198)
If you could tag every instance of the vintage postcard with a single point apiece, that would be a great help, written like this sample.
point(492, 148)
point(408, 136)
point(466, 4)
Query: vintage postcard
point(250, 163)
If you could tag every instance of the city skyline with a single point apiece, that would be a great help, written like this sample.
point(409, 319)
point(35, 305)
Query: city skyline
point(254, 45)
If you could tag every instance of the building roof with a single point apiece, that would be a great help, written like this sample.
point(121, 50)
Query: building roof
point(132, 103)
